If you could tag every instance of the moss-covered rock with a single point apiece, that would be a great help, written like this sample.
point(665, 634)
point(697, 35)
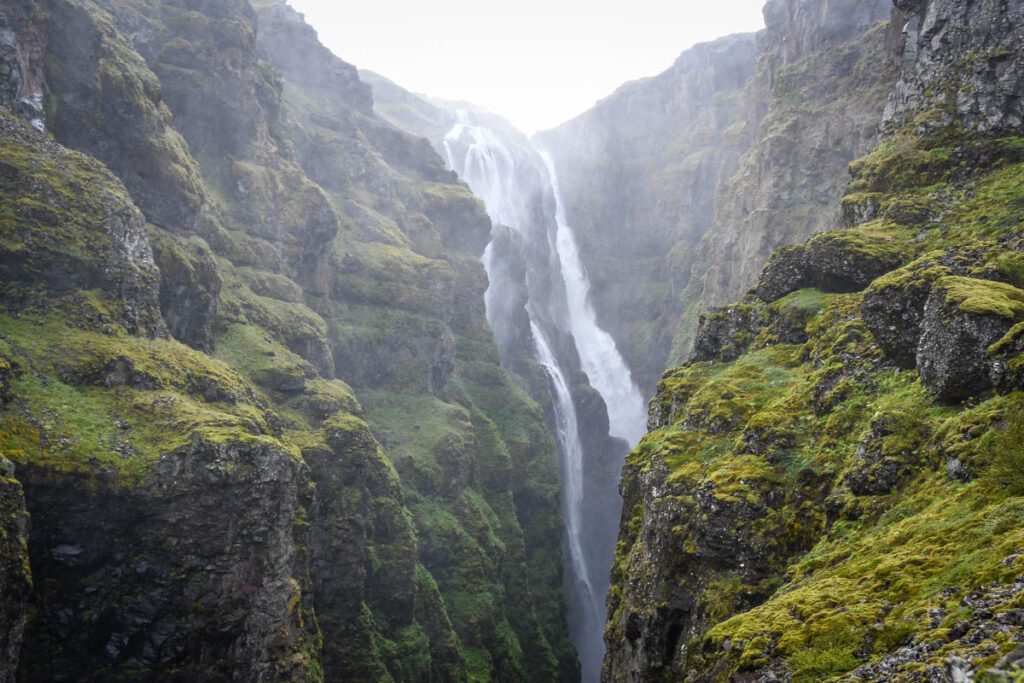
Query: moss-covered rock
point(962, 319)
point(842, 261)
point(190, 286)
point(106, 102)
point(70, 237)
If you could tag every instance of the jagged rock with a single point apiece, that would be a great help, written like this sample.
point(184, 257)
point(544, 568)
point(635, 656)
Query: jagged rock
point(962, 319)
point(15, 574)
point(190, 287)
point(843, 261)
point(197, 572)
point(725, 334)
point(971, 45)
point(893, 306)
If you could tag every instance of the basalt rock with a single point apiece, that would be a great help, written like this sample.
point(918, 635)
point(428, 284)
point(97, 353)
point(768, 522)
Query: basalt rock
point(190, 287)
point(962, 319)
point(198, 573)
point(15, 574)
point(960, 65)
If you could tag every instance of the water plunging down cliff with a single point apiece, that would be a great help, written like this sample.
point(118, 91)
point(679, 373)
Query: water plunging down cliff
point(601, 359)
point(536, 269)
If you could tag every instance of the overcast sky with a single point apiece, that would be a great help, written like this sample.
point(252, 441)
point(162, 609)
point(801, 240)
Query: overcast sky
point(536, 62)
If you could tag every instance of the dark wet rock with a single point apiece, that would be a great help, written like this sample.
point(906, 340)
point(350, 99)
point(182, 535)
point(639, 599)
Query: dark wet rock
point(962, 319)
point(726, 333)
point(975, 44)
point(15, 574)
point(893, 306)
point(190, 287)
point(198, 573)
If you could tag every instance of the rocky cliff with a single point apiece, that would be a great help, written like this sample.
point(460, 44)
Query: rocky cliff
point(831, 486)
point(255, 415)
point(698, 173)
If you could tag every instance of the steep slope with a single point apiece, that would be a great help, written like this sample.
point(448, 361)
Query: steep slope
point(831, 487)
point(682, 185)
point(192, 308)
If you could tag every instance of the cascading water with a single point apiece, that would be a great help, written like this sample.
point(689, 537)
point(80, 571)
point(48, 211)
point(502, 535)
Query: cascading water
point(519, 190)
point(599, 355)
point(588, 639)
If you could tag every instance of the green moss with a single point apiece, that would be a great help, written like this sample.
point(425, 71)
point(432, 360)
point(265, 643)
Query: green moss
point(263, 361)
point(984, 297)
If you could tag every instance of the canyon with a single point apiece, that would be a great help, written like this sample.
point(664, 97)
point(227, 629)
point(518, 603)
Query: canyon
point(306, 377)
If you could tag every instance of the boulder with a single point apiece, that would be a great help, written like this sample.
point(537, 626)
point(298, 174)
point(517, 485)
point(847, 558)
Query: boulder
point(963, 317)
point(842, 261)
point(893, 306)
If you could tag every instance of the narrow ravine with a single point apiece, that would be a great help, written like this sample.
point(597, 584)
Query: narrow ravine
point(518, 185)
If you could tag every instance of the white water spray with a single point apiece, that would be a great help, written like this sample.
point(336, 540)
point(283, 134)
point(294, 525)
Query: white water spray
point(573, 473)
point(513, 182)
point(599, 355)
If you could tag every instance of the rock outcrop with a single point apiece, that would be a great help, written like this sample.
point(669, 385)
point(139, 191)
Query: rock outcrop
point(819, 506)
point(15, 574)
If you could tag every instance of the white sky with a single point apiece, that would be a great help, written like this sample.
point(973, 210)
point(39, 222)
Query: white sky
point(536, 62)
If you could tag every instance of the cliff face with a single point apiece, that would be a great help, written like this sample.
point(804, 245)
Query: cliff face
point(831, 488)
point(737, 149)
point(249, 392)
point(824, 73)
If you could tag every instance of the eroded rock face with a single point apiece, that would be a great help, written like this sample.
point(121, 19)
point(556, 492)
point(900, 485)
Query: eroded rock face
point(21, 63)
point(198, 573)
point(831, 262)
point(989, 83)
point(15, 574)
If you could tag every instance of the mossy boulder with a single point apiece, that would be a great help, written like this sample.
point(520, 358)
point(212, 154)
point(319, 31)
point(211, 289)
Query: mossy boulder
point(962, 319)
point(893, 306)
point(840, 261)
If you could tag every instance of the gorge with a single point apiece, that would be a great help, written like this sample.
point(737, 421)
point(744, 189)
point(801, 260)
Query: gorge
point(306, 377)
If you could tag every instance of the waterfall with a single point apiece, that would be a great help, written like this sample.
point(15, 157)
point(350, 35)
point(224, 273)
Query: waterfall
point(588, 643)
point(519, 189)
point(599, 355)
